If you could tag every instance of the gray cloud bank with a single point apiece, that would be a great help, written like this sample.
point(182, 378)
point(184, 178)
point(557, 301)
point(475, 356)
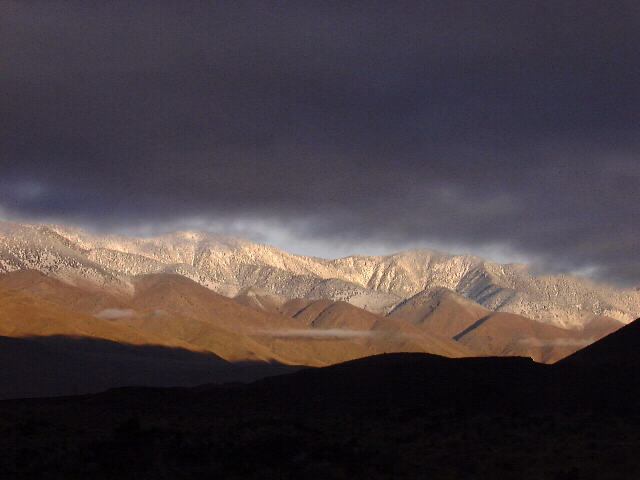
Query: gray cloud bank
point(468, 123)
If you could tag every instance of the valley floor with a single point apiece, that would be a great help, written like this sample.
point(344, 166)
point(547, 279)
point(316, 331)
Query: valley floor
point(53, 442)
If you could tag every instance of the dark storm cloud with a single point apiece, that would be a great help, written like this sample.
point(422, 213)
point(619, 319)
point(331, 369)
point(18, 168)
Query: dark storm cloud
point(475, 123)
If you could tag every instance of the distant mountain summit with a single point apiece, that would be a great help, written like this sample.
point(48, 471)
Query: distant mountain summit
point(380, 284)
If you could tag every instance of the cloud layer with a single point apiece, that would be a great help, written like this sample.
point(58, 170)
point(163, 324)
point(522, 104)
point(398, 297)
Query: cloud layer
point(319, 333)
point(557, 342)
point(115, 313)
point(509, 124)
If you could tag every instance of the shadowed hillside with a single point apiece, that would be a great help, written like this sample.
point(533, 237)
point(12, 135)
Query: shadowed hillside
point(59, 365)
point(620, 349)
point(386, 416)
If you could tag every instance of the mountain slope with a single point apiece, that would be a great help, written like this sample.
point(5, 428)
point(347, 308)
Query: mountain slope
point(441, 311)
point(382, 334)
point(85, 299)
point(260, 299)
point(22, 314)
point(508, 334)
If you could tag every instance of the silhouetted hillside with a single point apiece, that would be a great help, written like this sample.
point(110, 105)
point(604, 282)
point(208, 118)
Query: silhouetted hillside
point(59, 365)
point(386, 416)
point(620, 349)
point(414, 380)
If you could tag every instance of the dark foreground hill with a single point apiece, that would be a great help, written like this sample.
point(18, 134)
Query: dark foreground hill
point(387, 416)
point(63, 365)
point(619, 349)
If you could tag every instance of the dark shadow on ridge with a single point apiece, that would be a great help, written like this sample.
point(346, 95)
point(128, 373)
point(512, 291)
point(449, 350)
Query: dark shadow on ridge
point(471, 327)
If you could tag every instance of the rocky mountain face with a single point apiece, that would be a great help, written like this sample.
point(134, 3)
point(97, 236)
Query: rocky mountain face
point(232, 266)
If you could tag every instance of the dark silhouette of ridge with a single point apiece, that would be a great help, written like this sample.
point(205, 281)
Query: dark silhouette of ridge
point(403, 380)
point(603, 376)
point(61, 365)
point(618, 349)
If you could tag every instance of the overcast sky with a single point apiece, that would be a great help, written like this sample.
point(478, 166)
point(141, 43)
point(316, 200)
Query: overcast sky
point(508, 129)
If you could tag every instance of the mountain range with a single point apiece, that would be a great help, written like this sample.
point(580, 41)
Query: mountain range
point(228, 265)
point(235, 302)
